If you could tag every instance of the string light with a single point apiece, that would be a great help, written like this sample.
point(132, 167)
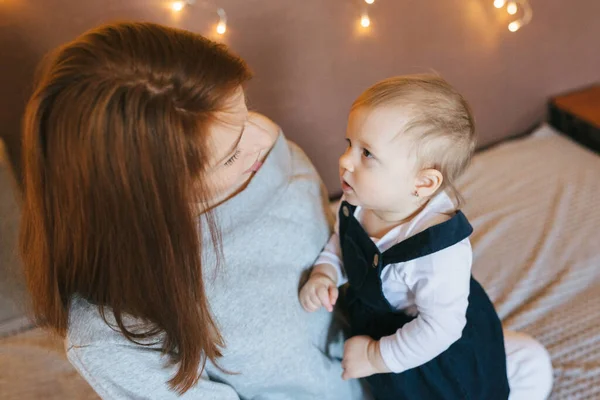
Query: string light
point(177, 6)
point(365, 21)
point(514, 26)
point(222, 25)
point(512, 8)
point(221, 28)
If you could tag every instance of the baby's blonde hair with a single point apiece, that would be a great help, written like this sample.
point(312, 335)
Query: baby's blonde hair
point(440, 120)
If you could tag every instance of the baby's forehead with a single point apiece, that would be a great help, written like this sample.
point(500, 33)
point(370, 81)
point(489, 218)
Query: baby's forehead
point(383, 123)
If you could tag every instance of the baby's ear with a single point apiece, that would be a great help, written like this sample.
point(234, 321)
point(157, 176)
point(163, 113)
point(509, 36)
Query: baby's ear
point(428, 181)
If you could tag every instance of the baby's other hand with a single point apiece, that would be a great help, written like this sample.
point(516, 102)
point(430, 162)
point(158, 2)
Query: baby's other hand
point(320, 290)
point(362, 358)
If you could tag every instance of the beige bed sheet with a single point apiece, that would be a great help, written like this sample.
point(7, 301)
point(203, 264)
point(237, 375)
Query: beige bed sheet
point(534, 205)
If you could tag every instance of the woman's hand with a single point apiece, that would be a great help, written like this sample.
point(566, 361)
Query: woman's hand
point(320, 290)
point(362, 358)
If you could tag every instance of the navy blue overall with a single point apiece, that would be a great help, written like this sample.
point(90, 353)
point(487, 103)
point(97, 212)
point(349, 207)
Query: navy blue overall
point(474, 367)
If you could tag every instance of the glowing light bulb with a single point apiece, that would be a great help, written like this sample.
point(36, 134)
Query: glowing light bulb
point(369, 1)
point(221, 27)
point(499, 3)
point(511, 8)
point(365, 21)
point(514, 26)
point(177, 6)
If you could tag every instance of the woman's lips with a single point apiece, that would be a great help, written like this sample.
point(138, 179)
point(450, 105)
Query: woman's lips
point(255, 167)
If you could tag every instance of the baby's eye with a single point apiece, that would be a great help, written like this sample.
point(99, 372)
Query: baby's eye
point(367, 154)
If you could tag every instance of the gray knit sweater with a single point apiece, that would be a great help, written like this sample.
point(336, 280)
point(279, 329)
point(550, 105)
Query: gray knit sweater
point(271, 232)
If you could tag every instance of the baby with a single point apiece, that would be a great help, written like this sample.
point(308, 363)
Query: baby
point(422, 327)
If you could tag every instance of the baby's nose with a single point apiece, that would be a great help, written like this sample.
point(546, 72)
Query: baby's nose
point(346, 162)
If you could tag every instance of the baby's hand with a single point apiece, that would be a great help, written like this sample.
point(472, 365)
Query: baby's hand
point(362, 358)
point(320, 290)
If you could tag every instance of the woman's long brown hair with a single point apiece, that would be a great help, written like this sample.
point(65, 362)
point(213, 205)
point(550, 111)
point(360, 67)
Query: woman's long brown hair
point(115, 148)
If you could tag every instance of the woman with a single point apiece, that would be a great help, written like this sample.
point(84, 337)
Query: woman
point(138, 136)
point(166, 229)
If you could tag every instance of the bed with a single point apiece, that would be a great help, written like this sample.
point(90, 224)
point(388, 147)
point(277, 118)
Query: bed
point(533, 204)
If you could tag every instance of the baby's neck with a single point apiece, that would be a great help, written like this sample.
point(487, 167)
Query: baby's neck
point(377, 222)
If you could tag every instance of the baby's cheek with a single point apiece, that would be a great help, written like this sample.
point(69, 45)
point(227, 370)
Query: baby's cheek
point(378, 182)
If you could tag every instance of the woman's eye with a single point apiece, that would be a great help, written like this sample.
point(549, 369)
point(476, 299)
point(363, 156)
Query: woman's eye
point(367, 153)
point(232, 159)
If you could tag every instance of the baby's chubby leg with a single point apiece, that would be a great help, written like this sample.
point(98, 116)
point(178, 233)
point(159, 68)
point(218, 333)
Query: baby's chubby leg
point(528, 366)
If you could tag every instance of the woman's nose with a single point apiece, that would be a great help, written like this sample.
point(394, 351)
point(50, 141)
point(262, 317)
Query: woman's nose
point(260, 133)
point(346, 161)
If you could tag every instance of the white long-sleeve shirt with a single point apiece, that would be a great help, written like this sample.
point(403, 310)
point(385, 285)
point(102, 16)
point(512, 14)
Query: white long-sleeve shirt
point(435, 288)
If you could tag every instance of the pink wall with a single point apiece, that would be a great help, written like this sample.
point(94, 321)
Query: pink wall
point(310, 59)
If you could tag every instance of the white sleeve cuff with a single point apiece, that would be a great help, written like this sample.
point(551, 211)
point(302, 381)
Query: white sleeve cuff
point(336, 263)
point(386, 348)
point(331, 255)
